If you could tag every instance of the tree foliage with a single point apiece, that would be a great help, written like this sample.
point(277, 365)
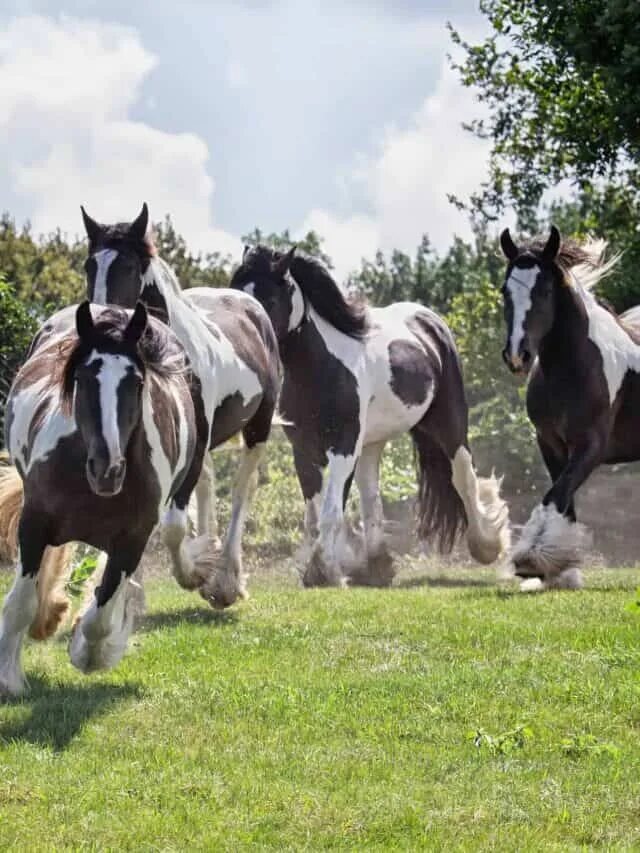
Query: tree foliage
point(211, 269)
point(560, 81)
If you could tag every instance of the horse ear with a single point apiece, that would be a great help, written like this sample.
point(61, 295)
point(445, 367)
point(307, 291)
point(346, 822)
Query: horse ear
point(138, 227)
point(280, 267)
point(137, 324)
point(93, 228)
point(553, 245)
point(509, 248)
point(84, 321)
point(245, 251)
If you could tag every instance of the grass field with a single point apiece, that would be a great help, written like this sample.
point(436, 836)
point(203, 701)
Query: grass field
point(441, 715)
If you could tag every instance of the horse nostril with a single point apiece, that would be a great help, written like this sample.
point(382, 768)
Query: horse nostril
point(91, 467)
point(526, 356)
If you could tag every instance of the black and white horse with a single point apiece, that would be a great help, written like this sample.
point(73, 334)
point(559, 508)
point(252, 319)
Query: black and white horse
point(233, 353)
point(583, 395)
point(354, 378)
point(102, 430)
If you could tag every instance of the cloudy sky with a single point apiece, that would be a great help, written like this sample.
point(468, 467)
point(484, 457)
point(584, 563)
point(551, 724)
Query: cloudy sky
point(338, 115)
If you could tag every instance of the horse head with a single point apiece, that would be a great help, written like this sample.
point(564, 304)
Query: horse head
point(264, 274)
point(529, 295)
point(119, 256)
point(107, 374)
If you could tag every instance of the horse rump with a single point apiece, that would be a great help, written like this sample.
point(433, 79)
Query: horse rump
point(441, 513)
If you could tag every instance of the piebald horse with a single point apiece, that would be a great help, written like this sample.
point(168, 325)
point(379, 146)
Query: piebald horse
point(583, 394)
point(354, 378)
point(102, 430)
point(233, 354)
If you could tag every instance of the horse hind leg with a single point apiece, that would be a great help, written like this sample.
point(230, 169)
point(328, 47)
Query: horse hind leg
point(53, 602)
point(488, 532)
point(205, 493)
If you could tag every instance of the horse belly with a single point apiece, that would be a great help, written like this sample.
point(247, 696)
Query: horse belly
point(231, 416)
point(388, 417)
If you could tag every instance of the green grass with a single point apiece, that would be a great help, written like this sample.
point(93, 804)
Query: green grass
point(444, 715)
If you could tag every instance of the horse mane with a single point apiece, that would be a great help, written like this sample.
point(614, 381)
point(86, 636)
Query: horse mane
point(581, 263)
point(349, 315)
point(158, 350)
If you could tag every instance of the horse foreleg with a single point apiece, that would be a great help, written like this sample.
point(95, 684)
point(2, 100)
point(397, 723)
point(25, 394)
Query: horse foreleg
point(19, 610)
point(228, 582)
point(101, 633)
point(378, 568)
point(552, 543)
point(325, 565)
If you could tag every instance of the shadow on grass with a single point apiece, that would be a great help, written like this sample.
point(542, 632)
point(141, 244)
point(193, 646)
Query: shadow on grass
point(446, 582)
point(190, 616)
point(59, 711)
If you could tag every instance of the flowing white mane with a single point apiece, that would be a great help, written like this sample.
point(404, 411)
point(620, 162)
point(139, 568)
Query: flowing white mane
point(589, 273)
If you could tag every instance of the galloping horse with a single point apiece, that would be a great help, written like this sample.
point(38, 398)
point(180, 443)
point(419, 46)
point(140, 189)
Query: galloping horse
point(102, 429)
point(354, 378)
point(583, 395)
point(232, 352)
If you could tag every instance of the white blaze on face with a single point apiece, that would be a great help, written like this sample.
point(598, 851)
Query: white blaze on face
point(519, 285)
point(297, 306)
point(103, 260)
point(111, 373)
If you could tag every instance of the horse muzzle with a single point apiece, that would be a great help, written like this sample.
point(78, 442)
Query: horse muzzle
point(519, 364)
point(106, 481)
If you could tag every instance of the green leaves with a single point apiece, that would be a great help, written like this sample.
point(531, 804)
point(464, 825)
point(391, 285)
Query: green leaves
point(559, 80)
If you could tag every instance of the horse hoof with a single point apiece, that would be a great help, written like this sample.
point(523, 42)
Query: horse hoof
point(377, 572)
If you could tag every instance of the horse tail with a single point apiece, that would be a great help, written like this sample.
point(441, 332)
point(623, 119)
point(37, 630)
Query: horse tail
point(489, 533)
point(441, 513)
point(52, 600)
point(11, 494)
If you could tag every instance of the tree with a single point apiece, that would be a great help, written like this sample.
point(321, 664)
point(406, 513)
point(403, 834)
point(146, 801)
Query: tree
point(46, 271)
point(201, 270)
point(560, 80)
point(311, 243)
point(17, 328)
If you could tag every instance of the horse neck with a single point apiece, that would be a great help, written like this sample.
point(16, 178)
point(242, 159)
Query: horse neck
point(182, 316)
point(564, 343)
point(301, 347)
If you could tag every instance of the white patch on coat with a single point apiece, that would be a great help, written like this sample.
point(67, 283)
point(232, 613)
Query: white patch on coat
point(112, 371)
point(619, 352)
point(103, 259)
point(520, 284)
point(159, 460)
point(250, 288)
point(297, 305)
point(55, 425)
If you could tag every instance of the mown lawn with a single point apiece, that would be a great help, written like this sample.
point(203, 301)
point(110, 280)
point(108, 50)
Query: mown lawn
point(444, 715)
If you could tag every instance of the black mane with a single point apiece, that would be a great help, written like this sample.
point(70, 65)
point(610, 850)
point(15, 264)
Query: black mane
point(349, 316)
point(157, 350)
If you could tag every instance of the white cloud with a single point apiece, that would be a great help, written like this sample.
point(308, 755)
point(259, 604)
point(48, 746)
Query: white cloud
point(406, 183)
point(67, 87)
